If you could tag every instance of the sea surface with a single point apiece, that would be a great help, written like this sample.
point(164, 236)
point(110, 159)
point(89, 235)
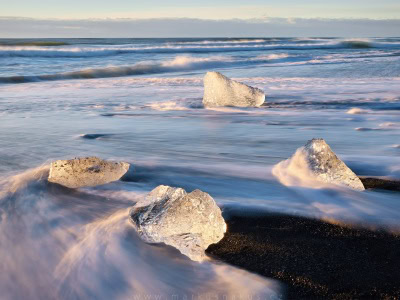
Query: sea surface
point(140, 101)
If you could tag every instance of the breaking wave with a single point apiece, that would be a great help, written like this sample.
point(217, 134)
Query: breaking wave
point(41, 49)
point(358, 44)
point(225, 41)
point(179, 63)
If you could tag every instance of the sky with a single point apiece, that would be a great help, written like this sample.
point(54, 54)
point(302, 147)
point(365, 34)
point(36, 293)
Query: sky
point(65, 18)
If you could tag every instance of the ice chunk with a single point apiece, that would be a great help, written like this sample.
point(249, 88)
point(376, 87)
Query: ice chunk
point(88, 171)
point(313, 163)
point(222, 91)
point(188, 222)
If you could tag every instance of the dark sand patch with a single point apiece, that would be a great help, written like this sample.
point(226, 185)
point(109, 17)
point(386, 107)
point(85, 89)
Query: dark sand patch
point(95, 136)
point(121, 115)
point(379, 183)
point(313, 258)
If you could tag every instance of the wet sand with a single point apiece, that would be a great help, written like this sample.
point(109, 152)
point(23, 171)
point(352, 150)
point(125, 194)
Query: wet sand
point(313, 258)
point(381, 184)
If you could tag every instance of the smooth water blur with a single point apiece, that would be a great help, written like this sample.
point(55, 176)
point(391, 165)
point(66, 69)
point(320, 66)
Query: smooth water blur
point(142, 97)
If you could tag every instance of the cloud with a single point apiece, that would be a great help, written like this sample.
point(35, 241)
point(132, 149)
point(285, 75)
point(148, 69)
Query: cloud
point(14, 27)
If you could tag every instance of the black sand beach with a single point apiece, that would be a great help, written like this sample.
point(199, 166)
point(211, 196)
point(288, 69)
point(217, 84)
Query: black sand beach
point(381, 184)
point(315, 259)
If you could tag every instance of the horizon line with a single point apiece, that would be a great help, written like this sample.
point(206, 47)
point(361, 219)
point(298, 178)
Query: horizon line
point(265, 19)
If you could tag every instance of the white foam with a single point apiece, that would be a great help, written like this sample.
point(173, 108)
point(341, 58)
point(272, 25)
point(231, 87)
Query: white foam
point(358, 111)
point(389, 125)
point(239, 41)
point(18, 182)
point(189, 60)
point(80, 244)
point(167, 105)
point(111, 244)
point(295, 171)
point(271, 56)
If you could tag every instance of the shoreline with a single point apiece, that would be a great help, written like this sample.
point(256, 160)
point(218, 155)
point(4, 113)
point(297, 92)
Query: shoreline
point(313, 258)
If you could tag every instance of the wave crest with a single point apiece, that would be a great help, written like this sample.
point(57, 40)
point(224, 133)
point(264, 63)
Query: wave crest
point(179, 63)
point(358, 44)
point(42, 49)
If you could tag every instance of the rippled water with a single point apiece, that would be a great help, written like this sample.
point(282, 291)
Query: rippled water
point(140, 101)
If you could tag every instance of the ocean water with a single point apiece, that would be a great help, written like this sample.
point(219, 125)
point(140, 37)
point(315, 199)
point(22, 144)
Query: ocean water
point(140, 101)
